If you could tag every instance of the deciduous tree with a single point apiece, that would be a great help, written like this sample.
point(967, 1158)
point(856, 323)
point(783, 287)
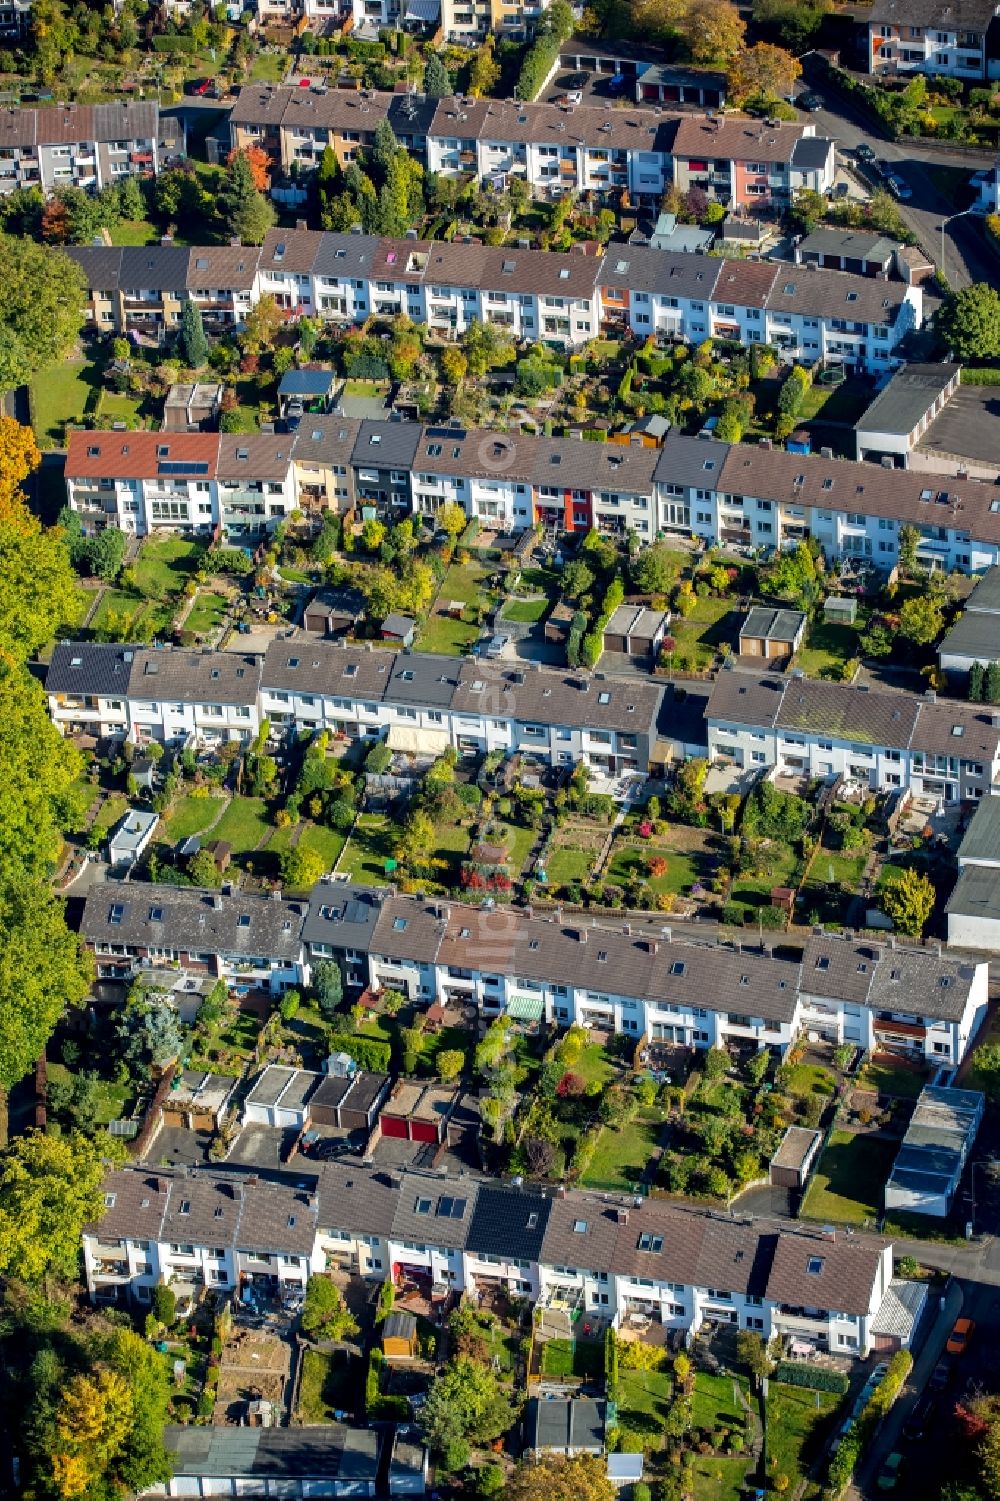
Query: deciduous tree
point(50, 1187)
point(921, 620)
point(259, 163)
point(302, 867)
point(713, 30)
point(909, 900)
point(42, 297)
point(19, 457)
point(762, 72)
point(37, 771)
point(555, 1477)
point(324, 1313)
point(969, 321)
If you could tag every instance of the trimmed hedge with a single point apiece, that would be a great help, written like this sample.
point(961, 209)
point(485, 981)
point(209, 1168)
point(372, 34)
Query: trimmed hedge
point(370, 1053)
point(815, 1378)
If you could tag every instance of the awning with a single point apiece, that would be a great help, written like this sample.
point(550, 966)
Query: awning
point(526, 1008)
point(417, 742)
point(423, 10)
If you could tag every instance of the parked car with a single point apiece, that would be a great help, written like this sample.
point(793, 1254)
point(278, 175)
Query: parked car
point(958, 1339)
point(940, 1377)
point(572, 96)
point(810, 102)
point(916, 1424)
point(898, 188)
point(865, 154)
point(888, 1475)
point(494, 647)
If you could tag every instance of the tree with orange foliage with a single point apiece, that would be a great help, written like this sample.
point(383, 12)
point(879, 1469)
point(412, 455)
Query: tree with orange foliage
point(55, 222)
point(259, 162)
point(763, 72)
point(19, 455)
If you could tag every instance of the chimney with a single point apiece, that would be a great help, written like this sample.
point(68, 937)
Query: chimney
point(314, 1201)
point(302, 224)
point(652, 946)
point(275, 894)
point(252, 1180)
point(621, 1215)
point(930, 696)
point(217, 902)
point(581, 934)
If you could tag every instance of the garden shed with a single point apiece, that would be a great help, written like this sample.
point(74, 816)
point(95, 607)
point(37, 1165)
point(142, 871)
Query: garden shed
point(791, 1164)
point(399, 1336)
point(839, 610)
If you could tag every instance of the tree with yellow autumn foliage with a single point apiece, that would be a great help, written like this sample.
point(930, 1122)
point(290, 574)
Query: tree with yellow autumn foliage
point(19, 456)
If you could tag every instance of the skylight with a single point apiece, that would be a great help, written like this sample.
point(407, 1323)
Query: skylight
point(579, 1227)
point(399, 924)
point(815, 1265)
point(243, 921)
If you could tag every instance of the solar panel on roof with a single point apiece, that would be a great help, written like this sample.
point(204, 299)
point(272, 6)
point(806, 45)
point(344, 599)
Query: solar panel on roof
point(181, 466)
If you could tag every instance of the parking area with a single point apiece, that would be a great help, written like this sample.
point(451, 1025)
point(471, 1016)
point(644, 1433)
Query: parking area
point(595, 88)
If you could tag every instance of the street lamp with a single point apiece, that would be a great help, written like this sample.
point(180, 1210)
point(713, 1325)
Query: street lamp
point(944, 226)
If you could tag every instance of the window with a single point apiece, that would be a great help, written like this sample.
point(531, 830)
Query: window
point(649, 1242)
point(422, 1206)
point(243, 921)
point(815, 1265)
point(579, 1227)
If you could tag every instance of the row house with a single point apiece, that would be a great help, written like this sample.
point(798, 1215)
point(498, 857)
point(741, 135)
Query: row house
point(142, 289)
point(196, 1230)
point(767, 497)
point(624, 1263)
point(295, 126)
point(468, 22)
point(191, 482)
point(83, 145)
point(751, 164)
point(740, 494)
point(884, 740)
point(416, 701)
point(641, 981)
point(252, 941)
point(554, 148)
point(637, 980)
point(946, 38)
point(15, 19)
point(810, 314)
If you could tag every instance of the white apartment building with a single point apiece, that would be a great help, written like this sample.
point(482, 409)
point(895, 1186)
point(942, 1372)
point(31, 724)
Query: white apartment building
point(930, 36)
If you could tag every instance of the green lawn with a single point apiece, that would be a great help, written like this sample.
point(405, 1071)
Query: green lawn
point(327, 842)
point(567, 863)
point(61, 395)
point(828, 646)
point(243, 825)
point(112, 1098)
point(191, 815)
point(713, 1403)
point(463, 581)
point(83, 598)
point(902, 1083)
point(643, 1404)
point(699, 636)
point(446, 636)
point(849, 1181)
point(518, 842)
point(593, 1065)
point(370, 845)
point(797, 1421)
point(328, 1385)
point(269, 67)
point(582, 1358)
point(111, 408)
point(755, 891)
point(112, 809)
point(837, 868)
point(843, 403)
point(621, 1156)
point(207, 613)
point(165, 563)
point(525, 611)
point(630, 861)
point(144, 618)
point(134, 232)
point(804, 1079)
point(717, 1479)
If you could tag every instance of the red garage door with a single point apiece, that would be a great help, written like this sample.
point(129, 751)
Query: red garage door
point(423, 1131)
point(392, 1125)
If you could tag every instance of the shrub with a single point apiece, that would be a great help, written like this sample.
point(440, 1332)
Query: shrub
point(370, 1053)
point(814, 1378)
point(164, 1305)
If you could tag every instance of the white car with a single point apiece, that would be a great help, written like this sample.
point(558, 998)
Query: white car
point(575, 96)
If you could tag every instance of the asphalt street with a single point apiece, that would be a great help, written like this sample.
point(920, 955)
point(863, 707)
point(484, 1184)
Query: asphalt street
point(967, 255)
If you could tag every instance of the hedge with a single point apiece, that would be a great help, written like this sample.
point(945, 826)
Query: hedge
point(988, 375)
point(174, 44)
point(370, 1053)
point(800, 1373)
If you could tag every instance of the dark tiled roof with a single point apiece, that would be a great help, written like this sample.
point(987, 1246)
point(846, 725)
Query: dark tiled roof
point(508, 1222)
point(835, 294)
point(90, 667)
point(664, 272)
point(385, 445)
point(195, 677)
point(745, 698)
point(847, 713)
point(946, 15)
point(591, 1248)
point(190, 919)
point(435, 1210)
point(357, 1198)
point(736, 139)
point(839, 968)
point(101, 265)
point(552, 697)
point(341, 914)
point(946, 728)
point(409, 929)
point(811, 153)
point(690, 462)
point(162, 268)
point(912, 981)
point(311, 666)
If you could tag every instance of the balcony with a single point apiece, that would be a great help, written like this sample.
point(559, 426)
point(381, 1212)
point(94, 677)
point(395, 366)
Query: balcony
point(799, 1321)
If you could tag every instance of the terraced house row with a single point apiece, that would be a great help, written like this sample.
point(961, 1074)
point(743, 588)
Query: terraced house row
point(85, 145)
point(554, 148)
point(636, 978)
point(615, 1261)
point(809, 313)
point(745, 495)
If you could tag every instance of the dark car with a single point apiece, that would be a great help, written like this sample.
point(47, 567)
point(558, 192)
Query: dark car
point(918, 1422)
point(865, 154)
point(810, 102)
point(940, 1377)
